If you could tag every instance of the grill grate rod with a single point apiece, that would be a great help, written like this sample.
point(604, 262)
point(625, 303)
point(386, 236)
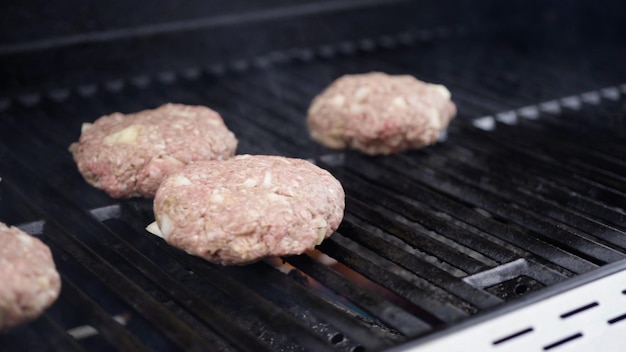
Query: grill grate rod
point(429, 272)
point(576, 157)
point(473, 240)
point(409, 235)
point(545, 252)
point(255, 133)
point(526, 188)
point(491, 182)
point(533, 176)
point(367, 193)
point(274, 315)
point(577, 171)
point(540, 165)
point(55, 335)
point(564, 237)
point(127, 290)
point(111, 330)
point(350, 324)
point(416, 291)
point(393, 316)
point(193, 303)
point(177, 332)
point(236, 337)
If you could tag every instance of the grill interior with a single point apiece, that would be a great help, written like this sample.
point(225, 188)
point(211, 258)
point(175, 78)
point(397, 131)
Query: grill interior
point(526, 191)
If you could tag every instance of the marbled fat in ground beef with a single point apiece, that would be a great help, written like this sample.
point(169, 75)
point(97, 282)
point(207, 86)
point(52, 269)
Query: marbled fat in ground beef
point(130, 155)
point(377, 113)
point(248, 207)
point(29, 282)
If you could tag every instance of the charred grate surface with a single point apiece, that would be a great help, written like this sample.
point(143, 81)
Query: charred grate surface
point(430, 237)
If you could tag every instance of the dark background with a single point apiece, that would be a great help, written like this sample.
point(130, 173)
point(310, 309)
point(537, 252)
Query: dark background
point(46, 45)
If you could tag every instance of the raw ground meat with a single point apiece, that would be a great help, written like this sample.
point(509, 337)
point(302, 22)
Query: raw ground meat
point(130, 155)
point(377, 113)
point(29, 282)
point(249, 207)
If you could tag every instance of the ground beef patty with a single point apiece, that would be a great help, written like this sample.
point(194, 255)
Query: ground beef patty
point(129, 155)
point(29, 282)
point(249, 207)
point(377, 113)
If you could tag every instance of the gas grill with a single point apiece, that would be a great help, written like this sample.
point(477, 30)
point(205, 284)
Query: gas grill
point(508, 235)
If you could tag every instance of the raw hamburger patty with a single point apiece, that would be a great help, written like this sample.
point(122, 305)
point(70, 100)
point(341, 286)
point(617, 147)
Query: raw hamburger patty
point(377, 113)
point(249, 207)
point(129, 155)
point(29, 282)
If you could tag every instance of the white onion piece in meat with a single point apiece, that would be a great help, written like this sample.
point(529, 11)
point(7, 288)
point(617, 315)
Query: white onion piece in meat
point(153, 228)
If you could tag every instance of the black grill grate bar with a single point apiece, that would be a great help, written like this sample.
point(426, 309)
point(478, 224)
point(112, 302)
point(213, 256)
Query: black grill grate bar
point(464, 90)
point(526, 80)
point(253, 106)
point(563, 76)
point(36, 147)
point(247, 121)
point(192, 303)
point(599, 125)
point(413, 212)
point(172, 285)
point(311, 82)
point(576, 151)
point(492, 182)
point(525, 177)
point(124, 288)
point(259, 104)
point(183, 337)
point(33, 126)
point(536, 178)
point(168, 324)
point(54, 335)
point(385, 311)
point(598, 140)
point(493, 81)
point(254, 88)
point(327, 310)
point(39, 126)
point(531, 247)
point(415, 237)
point(562, 236)
point(540, 164)
point(316, 77)
point(569, 125)
point(421, 268)
point(564, 157)
point(440, 305)
point(477, 241)
point(132, 99)
point(275, 82)
point(534, 83)
point(251, 133)
point(599, 180)
point(111, 330)
point(307, 83)
point(274, 315)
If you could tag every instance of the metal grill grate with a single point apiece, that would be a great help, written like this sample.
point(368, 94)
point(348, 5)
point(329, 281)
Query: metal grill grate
point(430, 237)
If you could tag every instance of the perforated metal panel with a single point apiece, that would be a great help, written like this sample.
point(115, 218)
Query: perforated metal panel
point(590, 317)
